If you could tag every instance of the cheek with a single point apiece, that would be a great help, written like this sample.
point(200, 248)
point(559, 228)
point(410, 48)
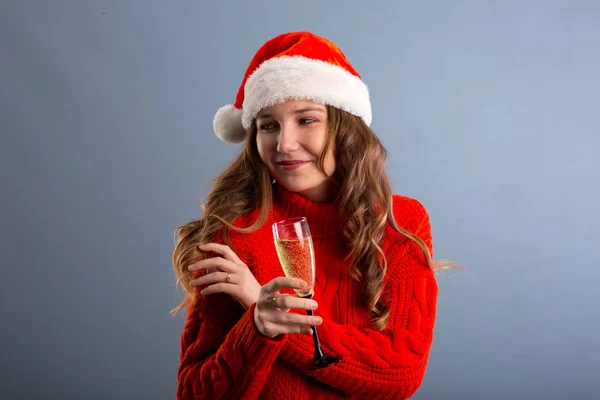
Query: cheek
point(315, 143)
point(263, 146)
point(329, 164)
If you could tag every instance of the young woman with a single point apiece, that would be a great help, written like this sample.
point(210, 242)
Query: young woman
point(304, 114)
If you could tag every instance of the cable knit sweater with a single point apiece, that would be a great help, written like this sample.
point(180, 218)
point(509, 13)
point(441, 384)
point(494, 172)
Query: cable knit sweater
point(224, 356)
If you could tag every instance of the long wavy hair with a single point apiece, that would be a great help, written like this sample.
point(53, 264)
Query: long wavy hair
point(245, 186)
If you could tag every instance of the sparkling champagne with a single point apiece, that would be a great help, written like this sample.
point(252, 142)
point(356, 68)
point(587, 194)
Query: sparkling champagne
point(298, 261)
point(297, 258)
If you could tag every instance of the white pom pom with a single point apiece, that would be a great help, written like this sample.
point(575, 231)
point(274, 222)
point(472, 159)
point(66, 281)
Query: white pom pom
point(228, 124)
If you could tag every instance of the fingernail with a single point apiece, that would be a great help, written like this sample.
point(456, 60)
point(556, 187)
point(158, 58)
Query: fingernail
point(314, 305)
point(190, 267)
point(301, 284)
point(318, 320)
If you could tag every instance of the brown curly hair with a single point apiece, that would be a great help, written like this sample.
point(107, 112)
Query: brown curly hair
point(245, 185)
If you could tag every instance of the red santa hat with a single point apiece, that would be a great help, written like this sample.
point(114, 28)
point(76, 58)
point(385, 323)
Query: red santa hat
point(293, 66)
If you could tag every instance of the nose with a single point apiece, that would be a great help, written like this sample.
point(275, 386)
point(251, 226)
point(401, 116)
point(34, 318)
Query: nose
point(287, 140)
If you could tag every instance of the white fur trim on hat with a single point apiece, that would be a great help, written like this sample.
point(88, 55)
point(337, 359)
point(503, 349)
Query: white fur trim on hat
point(228, 124)
point(295, 77)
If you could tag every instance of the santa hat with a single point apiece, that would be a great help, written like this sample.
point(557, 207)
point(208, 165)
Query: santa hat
point(293, 66)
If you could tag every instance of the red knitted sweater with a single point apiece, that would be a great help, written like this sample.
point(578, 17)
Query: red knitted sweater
point(224, 356)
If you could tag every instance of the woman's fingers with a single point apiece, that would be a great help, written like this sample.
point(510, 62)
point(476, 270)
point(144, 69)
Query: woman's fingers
point(217, 262)
point(228, 263)
point(281, 282)
point(278, 322)
point(276, 329)
point(291, 319)
point(271, 316)
point(223, 250)
point(209, 279)
point(286, 301)
point(219, 288)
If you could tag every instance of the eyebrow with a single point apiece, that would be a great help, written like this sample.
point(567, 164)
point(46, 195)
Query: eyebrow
point(298, 111)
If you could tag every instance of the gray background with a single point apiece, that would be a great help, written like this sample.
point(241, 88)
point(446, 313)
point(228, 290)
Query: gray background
point(489, 110)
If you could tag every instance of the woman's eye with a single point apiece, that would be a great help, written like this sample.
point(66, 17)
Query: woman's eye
point(306, 121)
point(266, 127)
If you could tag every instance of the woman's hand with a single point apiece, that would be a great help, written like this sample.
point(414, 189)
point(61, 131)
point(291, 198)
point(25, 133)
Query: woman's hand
point(226, 274)
point(272, 316)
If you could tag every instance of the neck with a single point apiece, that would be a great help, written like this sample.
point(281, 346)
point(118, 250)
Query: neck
point(321, 194)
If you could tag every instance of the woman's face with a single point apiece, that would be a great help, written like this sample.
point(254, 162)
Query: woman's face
point(290, 138)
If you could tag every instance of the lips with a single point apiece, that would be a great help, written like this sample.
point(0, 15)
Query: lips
point(292, 162)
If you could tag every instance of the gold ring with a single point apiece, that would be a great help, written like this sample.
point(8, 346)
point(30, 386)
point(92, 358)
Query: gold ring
point(271, 301)
point(228, 278)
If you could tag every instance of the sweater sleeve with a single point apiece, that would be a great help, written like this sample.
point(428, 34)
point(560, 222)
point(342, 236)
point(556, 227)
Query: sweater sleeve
point(220, 359)
point(388, 364)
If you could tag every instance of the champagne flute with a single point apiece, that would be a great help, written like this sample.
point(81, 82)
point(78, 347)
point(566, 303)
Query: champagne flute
point(297, 257)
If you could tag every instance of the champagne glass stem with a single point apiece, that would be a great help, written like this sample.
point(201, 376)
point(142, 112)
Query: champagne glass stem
point(318, 351)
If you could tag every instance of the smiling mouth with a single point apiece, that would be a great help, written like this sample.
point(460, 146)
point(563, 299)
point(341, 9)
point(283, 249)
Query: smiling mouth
point(291, 165)
point(292, 162)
